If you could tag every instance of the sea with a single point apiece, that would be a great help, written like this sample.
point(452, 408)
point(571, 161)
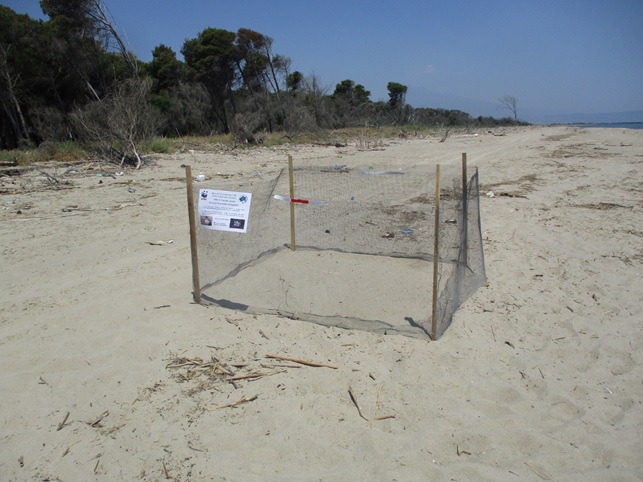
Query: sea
point(614, 125)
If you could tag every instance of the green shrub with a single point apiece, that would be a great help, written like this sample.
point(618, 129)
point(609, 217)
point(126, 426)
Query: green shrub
point(21, 157)
point(161, 145)
point(69, 151)
point(8, 157)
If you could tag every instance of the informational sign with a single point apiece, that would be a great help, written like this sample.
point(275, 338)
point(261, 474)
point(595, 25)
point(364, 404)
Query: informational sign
point(224, 210)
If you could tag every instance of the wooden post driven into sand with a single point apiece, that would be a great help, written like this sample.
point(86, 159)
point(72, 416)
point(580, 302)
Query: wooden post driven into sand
point(464, 176)
point(436, 243)
point(465, 212)
point(196, 286)
point(292, 205)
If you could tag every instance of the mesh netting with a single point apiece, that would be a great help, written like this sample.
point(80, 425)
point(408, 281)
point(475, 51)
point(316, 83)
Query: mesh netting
point(364, 248)
point(463, 255)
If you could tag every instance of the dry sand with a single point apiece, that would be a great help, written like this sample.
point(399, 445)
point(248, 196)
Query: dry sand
point(539, 376)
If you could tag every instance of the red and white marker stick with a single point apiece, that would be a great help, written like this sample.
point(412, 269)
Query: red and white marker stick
point(312, 202)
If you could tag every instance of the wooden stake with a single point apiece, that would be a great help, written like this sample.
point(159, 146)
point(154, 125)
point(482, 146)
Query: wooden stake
point(291, 177)
point(465, 212)
point(436, 244)
point(196, 286)
point(464, 171)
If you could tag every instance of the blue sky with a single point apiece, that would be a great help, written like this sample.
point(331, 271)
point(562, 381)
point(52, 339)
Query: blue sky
point(556, 57)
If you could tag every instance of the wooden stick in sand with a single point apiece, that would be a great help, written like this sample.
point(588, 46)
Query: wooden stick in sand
point(100, 418)
point(302, 362)
point(292, 205)
point(252, 375)
point(243, 400)
point(62, 424)
point(196, 285)
point(354, 400)
point(359, 410)
point(436, 255)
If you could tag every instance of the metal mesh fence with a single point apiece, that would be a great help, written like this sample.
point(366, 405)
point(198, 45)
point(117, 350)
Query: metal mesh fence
point(364, 244)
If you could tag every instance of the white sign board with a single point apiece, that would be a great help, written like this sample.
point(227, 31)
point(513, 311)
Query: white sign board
point(224, 210)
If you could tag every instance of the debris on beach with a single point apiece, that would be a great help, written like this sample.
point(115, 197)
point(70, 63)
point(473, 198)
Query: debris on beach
point(160, 242)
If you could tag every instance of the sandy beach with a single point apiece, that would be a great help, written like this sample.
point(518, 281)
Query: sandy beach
point(110, 372)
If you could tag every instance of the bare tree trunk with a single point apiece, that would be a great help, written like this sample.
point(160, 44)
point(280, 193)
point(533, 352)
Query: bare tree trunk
point(139, 162)
point(511, 103)
point(100, 15)
point(274, 79)
point(15, 128)
point(5, 71)
point(92, 90)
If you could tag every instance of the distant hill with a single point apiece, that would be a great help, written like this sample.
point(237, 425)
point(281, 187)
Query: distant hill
point(422, 97)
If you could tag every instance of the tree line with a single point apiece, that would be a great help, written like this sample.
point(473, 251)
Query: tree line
point(72, 77)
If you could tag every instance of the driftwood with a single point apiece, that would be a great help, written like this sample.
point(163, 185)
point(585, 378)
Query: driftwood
point(96, 422)
point(252, 376)
point(359, 410)
point(120, 157)
point(54, 182)
point(302, 362)
point(63, 423)
point(243, 400)
point(354, 400)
